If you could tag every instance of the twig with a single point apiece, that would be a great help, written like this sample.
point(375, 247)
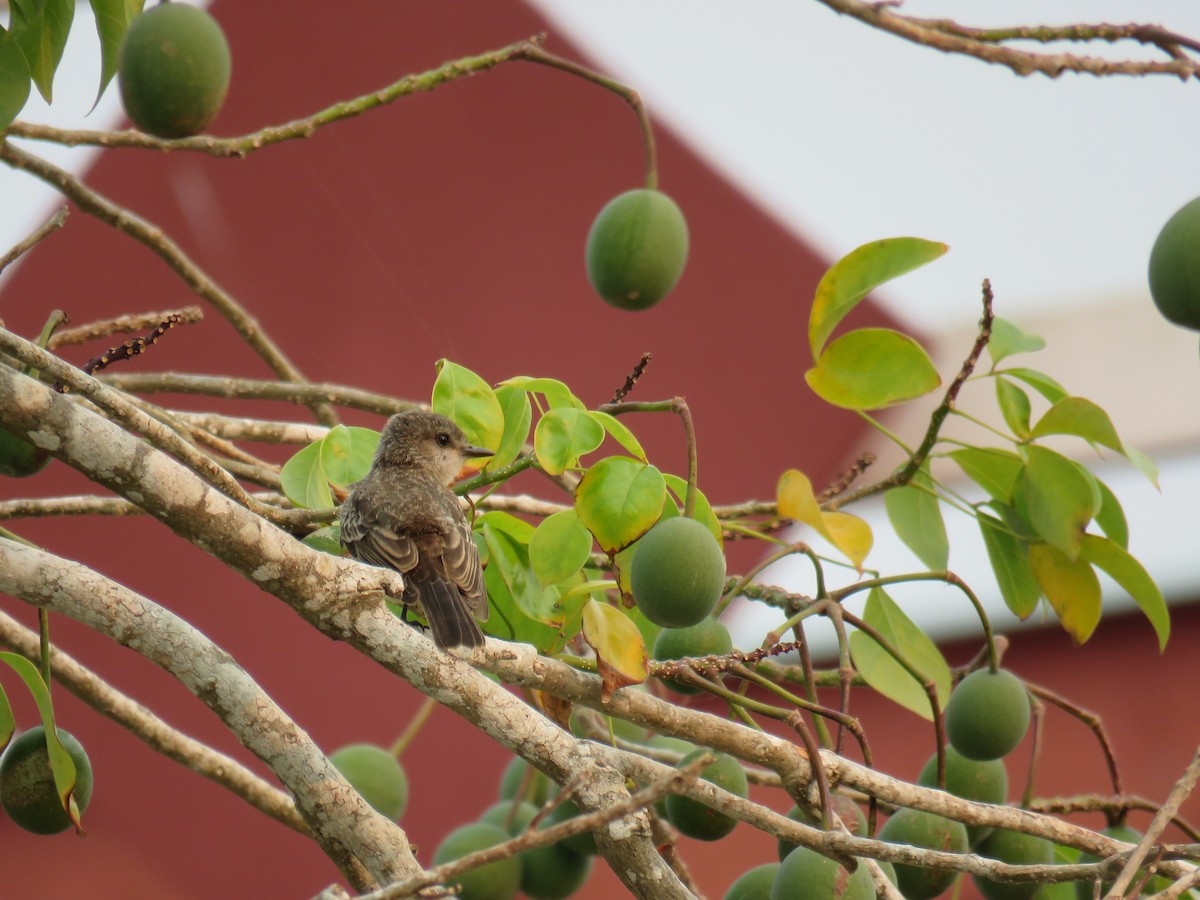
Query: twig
point(987, 44)
point(123, 325)
point(52, 225)
point(905, 473)
point(95, 204)
point(1092, 721)
point(131, 348)
point(631, 379)
point(257, 389)
point(1183, 787)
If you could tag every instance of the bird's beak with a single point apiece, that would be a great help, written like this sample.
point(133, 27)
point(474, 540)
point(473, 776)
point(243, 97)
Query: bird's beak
point(472, 450)
point(471, 468)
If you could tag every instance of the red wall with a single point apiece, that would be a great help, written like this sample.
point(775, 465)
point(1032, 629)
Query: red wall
point(444, 226)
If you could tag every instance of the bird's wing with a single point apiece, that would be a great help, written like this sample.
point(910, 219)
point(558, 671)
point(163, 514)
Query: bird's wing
point(373, 541)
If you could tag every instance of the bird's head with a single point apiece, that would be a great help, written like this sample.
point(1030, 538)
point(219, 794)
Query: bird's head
point(428, 441)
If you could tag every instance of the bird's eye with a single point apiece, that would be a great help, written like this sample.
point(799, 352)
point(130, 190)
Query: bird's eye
point(443, 439)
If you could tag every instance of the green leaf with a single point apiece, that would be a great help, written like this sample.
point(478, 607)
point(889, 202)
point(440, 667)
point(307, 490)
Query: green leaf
point(518, 414)
point(620, 434)
point(704, 512)
point(1014, 406)
point(1009, 557)
point(560, 547)
point(1070, 586)
point(1039, 381)
point(556, 393)
point(855, 275)
point(14, 80)
point(1008, 340)
point(1112, 559)
point(872, 368)
point(327, 539)
point(882, 672)
point(470, 401)
point(618, 500)
point(112, 20)
point(511, 559)
point(992, 469)
point(517, 529)
point(347, 452)
point(303, 479)
point(62, 767)
point(40, 28)
point(1143, 464)
point(1061, 497)
point(508, 622)
point(1081, 418)
point(916, 517)
point(563, 435)
point(1111, 517)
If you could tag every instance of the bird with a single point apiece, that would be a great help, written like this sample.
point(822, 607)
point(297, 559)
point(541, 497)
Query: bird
point(402, 515)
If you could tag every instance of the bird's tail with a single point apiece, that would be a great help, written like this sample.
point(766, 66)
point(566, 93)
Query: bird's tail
point(449, 619)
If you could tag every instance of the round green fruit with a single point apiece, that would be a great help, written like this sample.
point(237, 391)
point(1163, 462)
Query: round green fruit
point(27, 789)
point(553, 872)
point(987, 714)
point(983, 780)
point(583, 843)
point(806, 874)
point(1017, 849)
point(918, 828)
point(637, 249)
point(707, 637)
point(376, 775)
point(521, 778)
point(174, 70)
point(678, 573)
point(512, 817)
point(18, 457)
point(1175, 267)
point(846, 809)
point(694, 819)
point(754, 884)
point(497, 880)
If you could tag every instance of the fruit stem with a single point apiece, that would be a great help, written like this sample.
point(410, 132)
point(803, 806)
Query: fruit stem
point(44, 645)
point(534, 53)
point(413, 728)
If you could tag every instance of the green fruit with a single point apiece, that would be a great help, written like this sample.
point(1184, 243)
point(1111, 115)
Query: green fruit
point(707, 637)
point(754, 884)
point(18, 457)
point(847, 810)
point(987, 715)
point(376, 775)
point(27, 789)
point(1019, 850)
point(636, 249)
point(508, 816)
point(554, 872)
point(918, 828)
point(678, 745)
point(1084, 890)
point(1175, 267)
point(983, 780)
point(519, 776)
point(583, 843)
point(694, 819)
point(678, 573)
point(806, 875)
point(498, 880)
point(174, 70)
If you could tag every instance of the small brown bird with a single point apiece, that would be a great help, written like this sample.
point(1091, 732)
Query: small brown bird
point(404, 516)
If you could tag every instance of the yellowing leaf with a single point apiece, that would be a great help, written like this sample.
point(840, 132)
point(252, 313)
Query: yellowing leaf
point(850, 534)
point(795, 498)
point(620, 651)
point(1072, 588)
point(872, 368)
